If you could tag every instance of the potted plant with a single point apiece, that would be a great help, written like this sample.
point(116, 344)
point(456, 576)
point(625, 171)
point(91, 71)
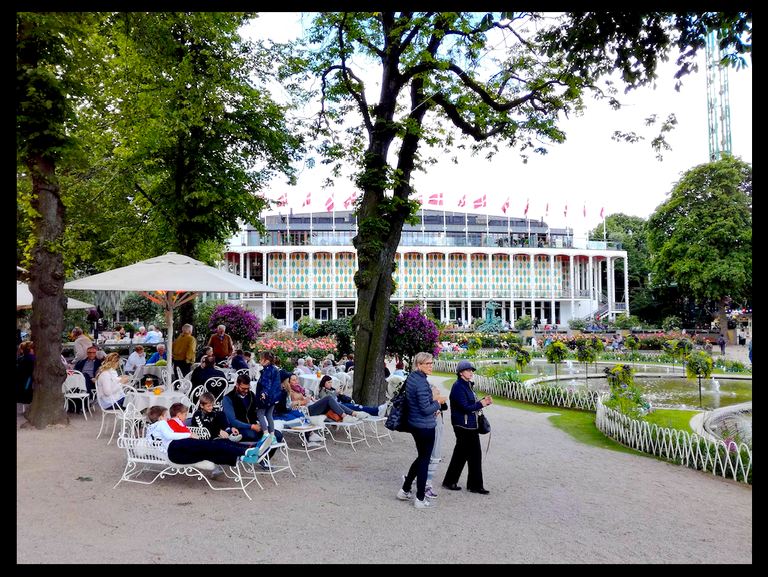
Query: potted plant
point(555, 353)
point(697, 365)
point(577, 325)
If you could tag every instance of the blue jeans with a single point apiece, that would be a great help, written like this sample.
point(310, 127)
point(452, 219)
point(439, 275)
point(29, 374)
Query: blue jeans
point(355, 407)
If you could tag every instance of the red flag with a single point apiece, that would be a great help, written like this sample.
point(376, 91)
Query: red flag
point(283, 200)
point(601, 212)
point(585, 209)
point(463, 200)
point(505, 206)
point(350, 200)
point(436, 199)
point(308, 200)
point(329, 203)
point(480, 202)
point(526, 206)
point(566, 209)
point(546, 212)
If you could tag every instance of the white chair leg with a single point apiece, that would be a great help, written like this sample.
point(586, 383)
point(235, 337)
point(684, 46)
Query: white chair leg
point(114, 427)
point(103, 416)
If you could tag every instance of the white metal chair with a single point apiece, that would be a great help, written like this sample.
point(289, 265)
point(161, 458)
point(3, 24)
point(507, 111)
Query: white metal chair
point(74, 389)
point(393, 382)
point(218, 386)
point(147, 455)
point(348, 428)
point(316, 427)
point(183, 386)
point(194, 398)
point(118, 413)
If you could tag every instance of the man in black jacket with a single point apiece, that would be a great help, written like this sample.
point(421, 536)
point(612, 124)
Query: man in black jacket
point(89, 366)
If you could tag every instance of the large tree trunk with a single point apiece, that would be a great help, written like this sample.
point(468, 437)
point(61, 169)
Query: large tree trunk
point(48, 298)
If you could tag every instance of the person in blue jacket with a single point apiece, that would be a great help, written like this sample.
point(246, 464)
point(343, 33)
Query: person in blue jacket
point(267, 394)
point(464, 407)
point(422, 404)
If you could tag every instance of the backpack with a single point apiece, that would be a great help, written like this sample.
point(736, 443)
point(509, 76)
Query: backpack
point(397, 412)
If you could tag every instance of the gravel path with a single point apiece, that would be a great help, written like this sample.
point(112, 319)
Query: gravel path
point(552, 500)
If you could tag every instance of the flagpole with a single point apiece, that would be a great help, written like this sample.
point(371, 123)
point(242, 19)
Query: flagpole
point(333, 216)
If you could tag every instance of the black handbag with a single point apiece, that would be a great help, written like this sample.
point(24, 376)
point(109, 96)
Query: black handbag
point(483, 426)
point(397, 413)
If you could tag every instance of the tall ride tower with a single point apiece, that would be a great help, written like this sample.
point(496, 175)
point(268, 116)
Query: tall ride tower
point(718, 105)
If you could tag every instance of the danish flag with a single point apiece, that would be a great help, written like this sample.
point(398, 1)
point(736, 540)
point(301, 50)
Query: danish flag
point(480, 202)
point(329, 203)
point(283, 200)
point(601, 212)
point(585, 209)
point(566, 209)
point(350, 200)
point(505, 206)
point(463, 200)
point(526, 206)
point(308, 200)
point(436, 199)
point(546, 212)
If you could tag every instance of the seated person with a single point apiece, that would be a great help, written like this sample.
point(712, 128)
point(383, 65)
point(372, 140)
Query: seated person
point(252, 364)
point(135, 360)
point(109, 385)
point(159, 355)
point(89, 366)
point(140, 334)
point(239, 407)
point(301, 366)
point(328, 368)
point(291, 417)
point(399, 370)
point(311, 365)
point(215, 421)
point(184, 447)
point(153, 335)
point(386, 371)
point(238, 361)
point(317, 407)
point(205, 371)
point(350, 363)
point(207, 352)
point(325, 388)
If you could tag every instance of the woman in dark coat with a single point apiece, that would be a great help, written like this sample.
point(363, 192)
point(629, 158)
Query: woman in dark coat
point(464, 405)
point(25, 364)
point(422, 405)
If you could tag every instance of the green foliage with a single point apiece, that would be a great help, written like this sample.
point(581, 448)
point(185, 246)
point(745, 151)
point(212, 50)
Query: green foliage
point(701, 237)
point(524, 323)
point(136, 306)
point(672, 323)
point(556, 352)
point(627, 322)
point(698, 364)
point(269, 325)
point(309, 327)
point(586, 354)
point(203, 313)
point(577, 324)
point(340, 329)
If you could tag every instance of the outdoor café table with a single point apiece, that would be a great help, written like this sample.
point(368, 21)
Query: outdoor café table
point(307, 429)
point(144, 399)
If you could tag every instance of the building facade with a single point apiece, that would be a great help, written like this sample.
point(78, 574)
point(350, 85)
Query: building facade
point(453, 264)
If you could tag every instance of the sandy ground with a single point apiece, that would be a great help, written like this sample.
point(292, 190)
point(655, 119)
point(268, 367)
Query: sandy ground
point(552, 500)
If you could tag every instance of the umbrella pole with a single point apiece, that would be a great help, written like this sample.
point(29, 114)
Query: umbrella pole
point(169, 346)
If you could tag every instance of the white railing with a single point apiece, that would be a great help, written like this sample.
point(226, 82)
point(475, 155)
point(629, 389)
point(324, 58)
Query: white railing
point(535, 391)
point(689, 449)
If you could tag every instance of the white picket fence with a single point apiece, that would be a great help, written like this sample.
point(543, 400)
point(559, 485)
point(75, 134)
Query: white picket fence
point(689, 449)
point(539, 392)
point(697, 452)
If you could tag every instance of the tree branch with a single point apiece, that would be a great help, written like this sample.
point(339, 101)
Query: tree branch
point(359, 97)
point(453, 114)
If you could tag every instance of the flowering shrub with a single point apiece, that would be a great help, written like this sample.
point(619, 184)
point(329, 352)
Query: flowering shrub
point(286, 346)
point(242, 325)
point(625, 397)
point(411, 332)
point(486, 340)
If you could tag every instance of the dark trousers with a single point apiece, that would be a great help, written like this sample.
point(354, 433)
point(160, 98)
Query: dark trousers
point(188, 451)
point(425, 442)
point(467, 450)
point(183, 365)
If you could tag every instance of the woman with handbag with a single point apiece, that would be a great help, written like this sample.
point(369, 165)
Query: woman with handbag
point(422, 404)
point(464, 418)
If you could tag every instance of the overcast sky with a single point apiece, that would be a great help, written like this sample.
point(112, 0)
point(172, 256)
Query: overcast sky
point(588, 168)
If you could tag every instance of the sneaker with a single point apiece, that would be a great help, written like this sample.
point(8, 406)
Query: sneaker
point(252, 451)
point(264, 444)
point(267, 468)
point(313, 444)
point(404, 495)
point(315, 438)
point(430, 494)
point(216, 471)
point(350, 419)
point(361, 415)
point(425, 504)
point(250, 458)
point(235, 438)
point(274, 439)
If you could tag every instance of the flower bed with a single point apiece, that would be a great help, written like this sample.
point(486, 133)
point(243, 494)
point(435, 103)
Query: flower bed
point(288, 347)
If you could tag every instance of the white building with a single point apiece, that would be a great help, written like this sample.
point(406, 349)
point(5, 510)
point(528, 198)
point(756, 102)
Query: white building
point(453, 262)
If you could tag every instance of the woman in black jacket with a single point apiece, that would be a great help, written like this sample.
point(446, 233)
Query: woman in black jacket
point(464, 405)
point(25, 364)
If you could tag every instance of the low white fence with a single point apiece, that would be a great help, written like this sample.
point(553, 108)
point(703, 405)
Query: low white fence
point(539, 392)
point(694, 451)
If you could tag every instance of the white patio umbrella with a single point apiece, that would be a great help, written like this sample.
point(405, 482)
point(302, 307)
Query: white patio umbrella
point(169, 280)
point(24, 299)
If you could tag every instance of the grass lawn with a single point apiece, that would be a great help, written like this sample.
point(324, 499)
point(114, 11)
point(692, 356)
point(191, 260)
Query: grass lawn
point(670, 418)
point(578, 424)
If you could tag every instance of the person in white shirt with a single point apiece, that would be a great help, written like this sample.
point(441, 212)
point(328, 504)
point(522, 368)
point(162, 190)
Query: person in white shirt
point(109, 385)
point(81, 344)
point(301, 366)
point(136, 359)
point(153, 335)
